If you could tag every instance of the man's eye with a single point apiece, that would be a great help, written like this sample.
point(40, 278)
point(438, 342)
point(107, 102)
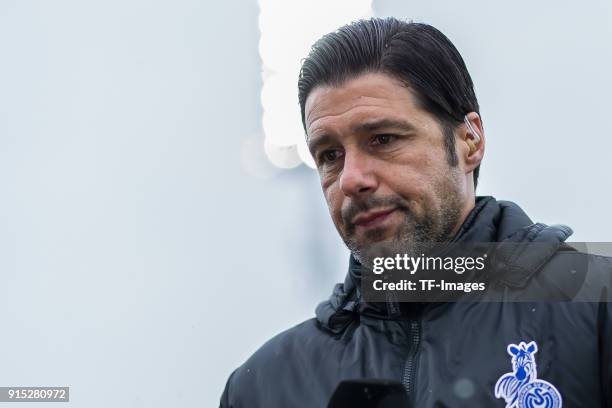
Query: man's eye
point(329, 156)
point(382, 139)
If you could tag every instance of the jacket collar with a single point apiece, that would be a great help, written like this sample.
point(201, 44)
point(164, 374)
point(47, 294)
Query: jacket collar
point(489, 221)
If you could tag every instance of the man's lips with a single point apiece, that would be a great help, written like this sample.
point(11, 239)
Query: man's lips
point(372, 218)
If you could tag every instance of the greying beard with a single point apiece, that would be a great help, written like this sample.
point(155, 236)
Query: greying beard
point(414, 237)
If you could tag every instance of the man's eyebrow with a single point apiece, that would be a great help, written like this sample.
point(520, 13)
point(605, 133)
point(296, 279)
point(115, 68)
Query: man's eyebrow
point(383, 124)
point(371, 126)
point(314, 142)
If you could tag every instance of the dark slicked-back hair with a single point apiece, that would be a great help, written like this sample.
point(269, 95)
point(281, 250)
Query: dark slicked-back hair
point(417, 54)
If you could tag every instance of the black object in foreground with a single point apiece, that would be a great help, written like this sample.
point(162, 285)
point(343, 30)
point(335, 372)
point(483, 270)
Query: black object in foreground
point(370, 393)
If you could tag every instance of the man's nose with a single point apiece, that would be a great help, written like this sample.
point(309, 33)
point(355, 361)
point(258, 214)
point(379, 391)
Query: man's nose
point(357, 176)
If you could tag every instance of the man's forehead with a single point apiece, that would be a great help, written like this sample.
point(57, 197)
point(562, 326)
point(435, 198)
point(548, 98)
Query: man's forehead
point(326, 110)
point(371, 91)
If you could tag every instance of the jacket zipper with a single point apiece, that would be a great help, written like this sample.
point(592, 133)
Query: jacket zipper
point(410, 365)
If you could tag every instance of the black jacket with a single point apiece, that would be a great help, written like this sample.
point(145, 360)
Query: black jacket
point(451, 354)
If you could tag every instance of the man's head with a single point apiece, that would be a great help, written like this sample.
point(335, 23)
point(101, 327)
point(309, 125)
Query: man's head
point(383, 103)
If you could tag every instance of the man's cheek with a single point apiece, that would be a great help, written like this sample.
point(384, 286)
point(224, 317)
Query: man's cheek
point(335, 211)
point(334, 202)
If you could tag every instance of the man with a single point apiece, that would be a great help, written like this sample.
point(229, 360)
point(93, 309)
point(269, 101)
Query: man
point(392, 121)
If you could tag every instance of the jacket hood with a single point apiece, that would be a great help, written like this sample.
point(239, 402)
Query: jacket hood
point(489, 221)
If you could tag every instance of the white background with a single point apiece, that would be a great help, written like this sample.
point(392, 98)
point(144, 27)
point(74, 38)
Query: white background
point(143, 256)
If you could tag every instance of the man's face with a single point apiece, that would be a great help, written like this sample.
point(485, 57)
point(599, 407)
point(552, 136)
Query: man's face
point(383, 167)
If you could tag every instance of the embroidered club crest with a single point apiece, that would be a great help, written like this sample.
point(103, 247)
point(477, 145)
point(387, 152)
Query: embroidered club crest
point(522, 388)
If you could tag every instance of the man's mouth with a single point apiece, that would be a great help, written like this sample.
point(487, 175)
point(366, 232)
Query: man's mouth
point(372, 219)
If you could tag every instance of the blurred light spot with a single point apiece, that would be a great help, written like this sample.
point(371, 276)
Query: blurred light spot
point(287, 31)
point(464, 388)
point(253, 158)
point(285, 157)
point(304, 153)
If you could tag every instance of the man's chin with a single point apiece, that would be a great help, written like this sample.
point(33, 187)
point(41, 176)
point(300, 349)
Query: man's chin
point(366, 251)
point(374, 236)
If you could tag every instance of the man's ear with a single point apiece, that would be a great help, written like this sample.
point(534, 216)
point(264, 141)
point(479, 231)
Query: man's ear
point(472, 139)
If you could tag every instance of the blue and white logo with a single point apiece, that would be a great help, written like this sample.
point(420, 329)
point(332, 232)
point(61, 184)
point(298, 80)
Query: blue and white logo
point(521, 388)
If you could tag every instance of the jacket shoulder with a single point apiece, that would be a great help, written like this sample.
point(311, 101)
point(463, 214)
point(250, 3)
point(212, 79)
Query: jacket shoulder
point(284, 359)
point(284, 346)
point(578, 275)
